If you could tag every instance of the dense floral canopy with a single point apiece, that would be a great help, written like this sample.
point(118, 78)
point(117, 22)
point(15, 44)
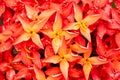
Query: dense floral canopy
point(59, 39)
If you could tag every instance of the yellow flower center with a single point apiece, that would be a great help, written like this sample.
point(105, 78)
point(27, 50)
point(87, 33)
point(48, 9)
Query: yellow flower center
point(62, 57)
point(28, 54)
point(31, 33)
point(82, 25)
point(57, 34)
point(87, 61)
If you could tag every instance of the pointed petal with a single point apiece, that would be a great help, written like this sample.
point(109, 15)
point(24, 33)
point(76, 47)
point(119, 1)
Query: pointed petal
point(10, 74)
point(57, 23)
point(63, 49)
point(25, 24)
point(78, 48)
point(36, 39)
point(91, 19)
point(2, 9)
point(71, 26)
point(49, 51)
point(36, 59)
point(117, 39)
point(39, 74)
point(21, 74)
point(53, 59)
point(64, 65)
point(5, 35)
point(53, 71)
point(37, 26)
point(47, 32)
point(115, 15)
point(72, 57)
point(86, 34)
point(69, 35)
point(101, 50)
point(46, 14)
point(56, 43)
point(101, 30)
point(89, 50)
point(97, 61)
point(78, 12)
point(32, 12)
point(24, 58)
point(87, 68)
point(50, 78)
point(23, 37)
point(116, 65)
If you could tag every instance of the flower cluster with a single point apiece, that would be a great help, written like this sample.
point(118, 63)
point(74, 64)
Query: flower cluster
point(59, 39)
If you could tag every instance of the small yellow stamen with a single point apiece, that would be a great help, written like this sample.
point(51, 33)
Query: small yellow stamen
point(82, 25)
point(29, 57)
point(87, 61)
point(28, 51)
point(57, 34)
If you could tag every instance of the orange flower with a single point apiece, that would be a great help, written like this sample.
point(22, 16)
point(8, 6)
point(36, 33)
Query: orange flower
point(88, 61)
point(81, 23)
point(32, 28)
point(40, 75)
point(57, 33)
point(63, 57)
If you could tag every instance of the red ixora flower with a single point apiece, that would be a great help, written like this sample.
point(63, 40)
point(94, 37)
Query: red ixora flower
point(59, 39)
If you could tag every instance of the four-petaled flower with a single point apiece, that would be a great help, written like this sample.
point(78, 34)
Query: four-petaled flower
point(58, 33)
point(82, 24)
point(63, 57)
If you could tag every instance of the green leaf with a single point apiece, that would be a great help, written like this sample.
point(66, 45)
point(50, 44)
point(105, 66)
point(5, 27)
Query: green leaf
point(113, 5)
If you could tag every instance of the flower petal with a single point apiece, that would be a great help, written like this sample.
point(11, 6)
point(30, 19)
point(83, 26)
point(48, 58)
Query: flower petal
point(69, 35)
point(86, 34)
point(47, 32)
point(89, 50)
point(101, 30)
point(57, 23)
point(117, 39)
point(37, 26)
point(53, 71)
point(25, 24)
point(2, 9)
point(39, 74)
point(71, 26)
point(5, 35)
point(78, 48)
point(23, 37)
point(46, 14)
point(63, 49)
point(87, 68)
point(36, 39)
point(91, 19)
point(50, 78)
point(97, 61)
point(115, 15)
point(64, 65)
point(24, 58)
point(53, 59)
point(78, 12)
point(36, 59)
point(32, 12)
point(5, 46)
point(56, 43)
point(10, 74)
point(21, 74)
